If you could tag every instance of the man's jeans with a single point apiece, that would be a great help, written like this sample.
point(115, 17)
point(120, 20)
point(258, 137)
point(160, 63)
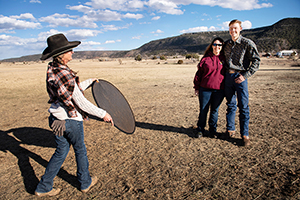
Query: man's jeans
point(213, 99)
point(235, 91)
point(72, 136)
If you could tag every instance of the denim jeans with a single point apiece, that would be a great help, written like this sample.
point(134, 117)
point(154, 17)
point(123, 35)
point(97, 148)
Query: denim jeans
point(213, 99)
point(235, 91)
point(74, 136)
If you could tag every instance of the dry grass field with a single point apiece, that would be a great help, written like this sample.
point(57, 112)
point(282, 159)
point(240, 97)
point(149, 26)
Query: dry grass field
point(162, 159)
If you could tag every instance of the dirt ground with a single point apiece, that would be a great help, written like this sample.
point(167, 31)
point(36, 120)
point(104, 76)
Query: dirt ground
point(162, 159)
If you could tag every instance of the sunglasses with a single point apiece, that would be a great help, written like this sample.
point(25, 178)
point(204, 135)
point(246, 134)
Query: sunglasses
point(217, 45)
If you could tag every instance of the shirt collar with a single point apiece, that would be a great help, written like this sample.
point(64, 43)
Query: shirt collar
point(239, 39)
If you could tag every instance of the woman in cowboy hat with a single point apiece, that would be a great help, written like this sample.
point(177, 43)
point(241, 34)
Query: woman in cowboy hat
point(68, 109)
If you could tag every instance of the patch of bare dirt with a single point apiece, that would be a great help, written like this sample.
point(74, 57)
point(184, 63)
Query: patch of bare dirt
point(161, 160)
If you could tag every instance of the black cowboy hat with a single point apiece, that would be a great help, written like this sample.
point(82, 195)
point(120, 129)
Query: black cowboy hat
point(58, 44)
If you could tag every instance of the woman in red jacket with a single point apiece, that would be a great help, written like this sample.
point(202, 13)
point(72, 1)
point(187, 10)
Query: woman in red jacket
point(209, 85)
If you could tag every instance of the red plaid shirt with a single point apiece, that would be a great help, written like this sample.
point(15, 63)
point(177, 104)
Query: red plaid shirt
point(61, 82)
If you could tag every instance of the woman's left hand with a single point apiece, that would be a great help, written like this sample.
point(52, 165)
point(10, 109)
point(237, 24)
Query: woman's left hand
point(108, 118)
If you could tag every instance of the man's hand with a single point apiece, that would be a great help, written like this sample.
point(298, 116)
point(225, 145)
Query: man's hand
point(239, 79)
point(108, 118)
point(58, 127)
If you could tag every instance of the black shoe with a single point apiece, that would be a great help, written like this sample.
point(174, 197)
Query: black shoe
point(198, 134)
point(212, 134)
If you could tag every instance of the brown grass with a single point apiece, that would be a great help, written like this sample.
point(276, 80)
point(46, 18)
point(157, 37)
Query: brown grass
point(161, 160)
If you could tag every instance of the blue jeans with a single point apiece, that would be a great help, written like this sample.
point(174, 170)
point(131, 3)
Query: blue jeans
point(235, 91)
point(213, 99)
point(72, 136)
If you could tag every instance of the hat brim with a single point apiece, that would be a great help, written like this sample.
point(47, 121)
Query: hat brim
point(47, 54)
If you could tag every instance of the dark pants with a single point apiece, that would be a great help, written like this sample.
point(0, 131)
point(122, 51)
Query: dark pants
point(213, 99)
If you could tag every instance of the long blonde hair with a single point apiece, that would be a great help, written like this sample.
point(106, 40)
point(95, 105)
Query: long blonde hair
point(58, 59)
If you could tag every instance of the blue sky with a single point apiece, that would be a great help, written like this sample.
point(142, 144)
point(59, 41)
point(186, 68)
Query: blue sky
point(125, 24)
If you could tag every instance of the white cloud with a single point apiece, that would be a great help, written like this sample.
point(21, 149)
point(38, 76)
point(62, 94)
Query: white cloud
point(90, 43)
point(73, 34)
point(113, 27)
point(80, 8)
point(112, 41)
point(199, 29)
point(156, 18)
point(105, 15)
point(103, 10)
point(157, 31)
point(35, 1)
point(246, 24)
point(66, 20)
point(136, 37)
point(120, 5)
point(12, 46)
point(23, 16)
point(165, 6)
point(231, 4)
point(81, 34)
point(241, 5)
point(14, 22)
point(225, 25)
point(133, 16)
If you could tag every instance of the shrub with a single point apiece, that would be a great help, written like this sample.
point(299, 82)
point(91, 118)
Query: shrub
point(163, 57)
point(194, 55)
point(188, 56)
point(138, 58)
point(154, 57)
point(180, 62)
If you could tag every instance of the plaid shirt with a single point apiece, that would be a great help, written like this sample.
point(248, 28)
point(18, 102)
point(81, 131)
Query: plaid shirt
point(242, 55)
point(61, 82)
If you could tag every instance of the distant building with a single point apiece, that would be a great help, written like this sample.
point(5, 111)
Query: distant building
point(286, 53)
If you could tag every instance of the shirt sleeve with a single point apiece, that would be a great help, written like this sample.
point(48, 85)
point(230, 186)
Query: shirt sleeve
point(86, 105)
point(254, 58)
point(85, 84)
point(198, 75)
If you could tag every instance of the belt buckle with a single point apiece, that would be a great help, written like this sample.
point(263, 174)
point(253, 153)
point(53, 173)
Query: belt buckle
point(231, 71)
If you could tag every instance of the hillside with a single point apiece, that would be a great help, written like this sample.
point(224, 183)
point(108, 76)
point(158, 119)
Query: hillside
point(282, 35)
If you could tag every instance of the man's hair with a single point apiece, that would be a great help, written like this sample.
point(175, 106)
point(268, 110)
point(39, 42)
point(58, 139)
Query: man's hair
point(235, 21)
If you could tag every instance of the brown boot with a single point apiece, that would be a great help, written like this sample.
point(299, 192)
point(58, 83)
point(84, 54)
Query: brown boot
point(94, 181)
point(231, 134)
point(246, 140)
point(51, 193)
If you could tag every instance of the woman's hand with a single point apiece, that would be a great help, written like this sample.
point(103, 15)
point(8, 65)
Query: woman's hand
point(107, 118)
point(196, 92)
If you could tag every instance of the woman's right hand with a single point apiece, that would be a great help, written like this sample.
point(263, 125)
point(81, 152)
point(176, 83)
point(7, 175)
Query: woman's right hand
point(196, 92)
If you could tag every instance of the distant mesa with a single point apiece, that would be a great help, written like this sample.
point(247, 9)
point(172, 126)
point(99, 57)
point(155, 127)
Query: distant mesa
point(283, 35)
